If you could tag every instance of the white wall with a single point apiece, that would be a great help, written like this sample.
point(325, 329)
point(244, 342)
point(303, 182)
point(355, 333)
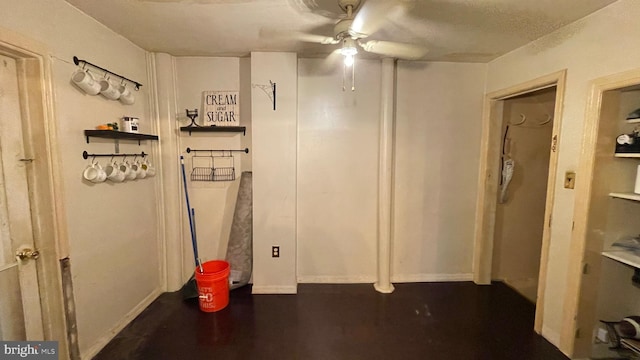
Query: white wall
point(337, 172)
point(112, 228)
point(600, 44)
point(274, 172)
point(245, 110)
point(213, 202)
point(438, 118)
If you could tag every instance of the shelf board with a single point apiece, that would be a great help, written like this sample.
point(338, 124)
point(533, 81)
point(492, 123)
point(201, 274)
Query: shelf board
point(238, 129)
point(623, 256)
point(113, 134)
point(628, 155)
point(626, 196)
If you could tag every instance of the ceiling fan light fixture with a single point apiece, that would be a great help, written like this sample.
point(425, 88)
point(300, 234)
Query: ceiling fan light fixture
point(348, 60)
point(348, 50)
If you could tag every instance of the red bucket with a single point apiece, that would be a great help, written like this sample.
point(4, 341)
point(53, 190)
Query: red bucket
point(213, 285)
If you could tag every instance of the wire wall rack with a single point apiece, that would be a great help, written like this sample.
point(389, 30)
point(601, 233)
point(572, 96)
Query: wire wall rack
point(213, 164)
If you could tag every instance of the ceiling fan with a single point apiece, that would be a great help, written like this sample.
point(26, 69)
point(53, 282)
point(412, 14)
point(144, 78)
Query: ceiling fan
point(361, 19)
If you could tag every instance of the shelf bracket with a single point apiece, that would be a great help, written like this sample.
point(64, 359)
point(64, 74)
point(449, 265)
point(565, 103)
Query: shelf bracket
point(269, 90)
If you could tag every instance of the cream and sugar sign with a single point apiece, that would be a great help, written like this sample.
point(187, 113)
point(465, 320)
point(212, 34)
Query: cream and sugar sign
point(221, 108)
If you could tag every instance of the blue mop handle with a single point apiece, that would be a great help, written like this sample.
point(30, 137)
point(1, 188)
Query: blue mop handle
point(186, 194)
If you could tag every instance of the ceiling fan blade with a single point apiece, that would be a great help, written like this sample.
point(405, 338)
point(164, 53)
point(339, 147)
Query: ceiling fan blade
point(395, 49)
point(372, 15)
point(297, 35)
point(320, 39)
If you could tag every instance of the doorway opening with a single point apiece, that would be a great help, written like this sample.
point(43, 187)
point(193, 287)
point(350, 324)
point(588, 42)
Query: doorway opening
point(527, 131)
point(33, 189)
point(502, 207)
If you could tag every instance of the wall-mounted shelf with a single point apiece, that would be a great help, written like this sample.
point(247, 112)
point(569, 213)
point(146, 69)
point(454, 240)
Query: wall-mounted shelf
point(238, 129)
point(623, 256)
point(626, 196)
point(121, 135)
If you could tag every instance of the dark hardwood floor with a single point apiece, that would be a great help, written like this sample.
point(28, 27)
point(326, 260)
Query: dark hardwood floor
point(452, 321)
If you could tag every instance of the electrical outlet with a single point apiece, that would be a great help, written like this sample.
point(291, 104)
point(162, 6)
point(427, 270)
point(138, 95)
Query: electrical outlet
point(275, 251)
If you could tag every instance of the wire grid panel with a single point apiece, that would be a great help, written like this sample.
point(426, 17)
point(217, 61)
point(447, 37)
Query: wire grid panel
point(202, 168)
point(223, 168)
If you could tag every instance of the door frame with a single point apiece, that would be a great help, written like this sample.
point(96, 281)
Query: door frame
point(490, 172)
point(43, 177)
point(579, 309)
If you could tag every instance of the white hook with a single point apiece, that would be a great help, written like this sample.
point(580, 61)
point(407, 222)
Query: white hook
point(549, 117)
point(523, 119)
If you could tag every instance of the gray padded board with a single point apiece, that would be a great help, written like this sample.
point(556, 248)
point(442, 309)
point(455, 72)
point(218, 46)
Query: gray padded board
point(240, 248)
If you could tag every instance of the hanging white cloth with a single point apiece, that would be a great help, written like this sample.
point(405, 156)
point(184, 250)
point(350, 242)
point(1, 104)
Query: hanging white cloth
point(507, 173)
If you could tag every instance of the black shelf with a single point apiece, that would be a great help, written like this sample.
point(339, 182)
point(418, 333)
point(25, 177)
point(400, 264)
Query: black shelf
point(113, 134)
point(238, 129)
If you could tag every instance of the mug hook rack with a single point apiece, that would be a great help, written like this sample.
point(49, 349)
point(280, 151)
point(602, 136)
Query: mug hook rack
point(85, 62)
point(86, 155)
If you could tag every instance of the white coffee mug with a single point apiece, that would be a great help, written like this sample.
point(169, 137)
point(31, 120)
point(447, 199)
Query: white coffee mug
point(94, 173)
point(135, 168)
point(126, 169)
point(85, 81)
point(114, 173)
point(126, 96)
point(151, 170)
point(141, 171)
point(108, 90)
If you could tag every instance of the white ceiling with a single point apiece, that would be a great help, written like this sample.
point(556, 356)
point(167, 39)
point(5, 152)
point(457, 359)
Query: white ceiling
point(453, 30)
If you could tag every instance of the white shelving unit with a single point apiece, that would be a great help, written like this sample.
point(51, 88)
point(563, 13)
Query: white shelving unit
point(623, 256)
point(608, 289)
point(626, 196)
point(628, 155)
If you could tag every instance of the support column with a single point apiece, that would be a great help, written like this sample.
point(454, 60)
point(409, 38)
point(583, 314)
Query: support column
point(164, 105)
point(385, 170)
point(274, 119)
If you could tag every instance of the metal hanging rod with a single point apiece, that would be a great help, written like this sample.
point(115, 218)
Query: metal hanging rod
point(245, 150)
point(86, 155)
point(80, 61)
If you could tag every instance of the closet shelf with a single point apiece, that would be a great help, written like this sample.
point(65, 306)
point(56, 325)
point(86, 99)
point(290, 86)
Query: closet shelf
point(238, 129)
point(626, 196)
point(628, 155)
point(623, 256)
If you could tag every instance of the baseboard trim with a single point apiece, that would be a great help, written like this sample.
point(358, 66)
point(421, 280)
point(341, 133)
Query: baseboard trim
point(103, 341)
point(367, 279)
point(409, 278)
point(364, 279)
point(268, 289)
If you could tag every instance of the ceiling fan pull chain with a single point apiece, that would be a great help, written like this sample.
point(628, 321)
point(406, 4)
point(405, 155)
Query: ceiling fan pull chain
point(344, 75)
point(353, 76)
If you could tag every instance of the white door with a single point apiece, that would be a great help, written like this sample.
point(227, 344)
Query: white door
point(20, 309)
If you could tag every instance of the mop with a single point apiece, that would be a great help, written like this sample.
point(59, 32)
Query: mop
point(190, 288)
